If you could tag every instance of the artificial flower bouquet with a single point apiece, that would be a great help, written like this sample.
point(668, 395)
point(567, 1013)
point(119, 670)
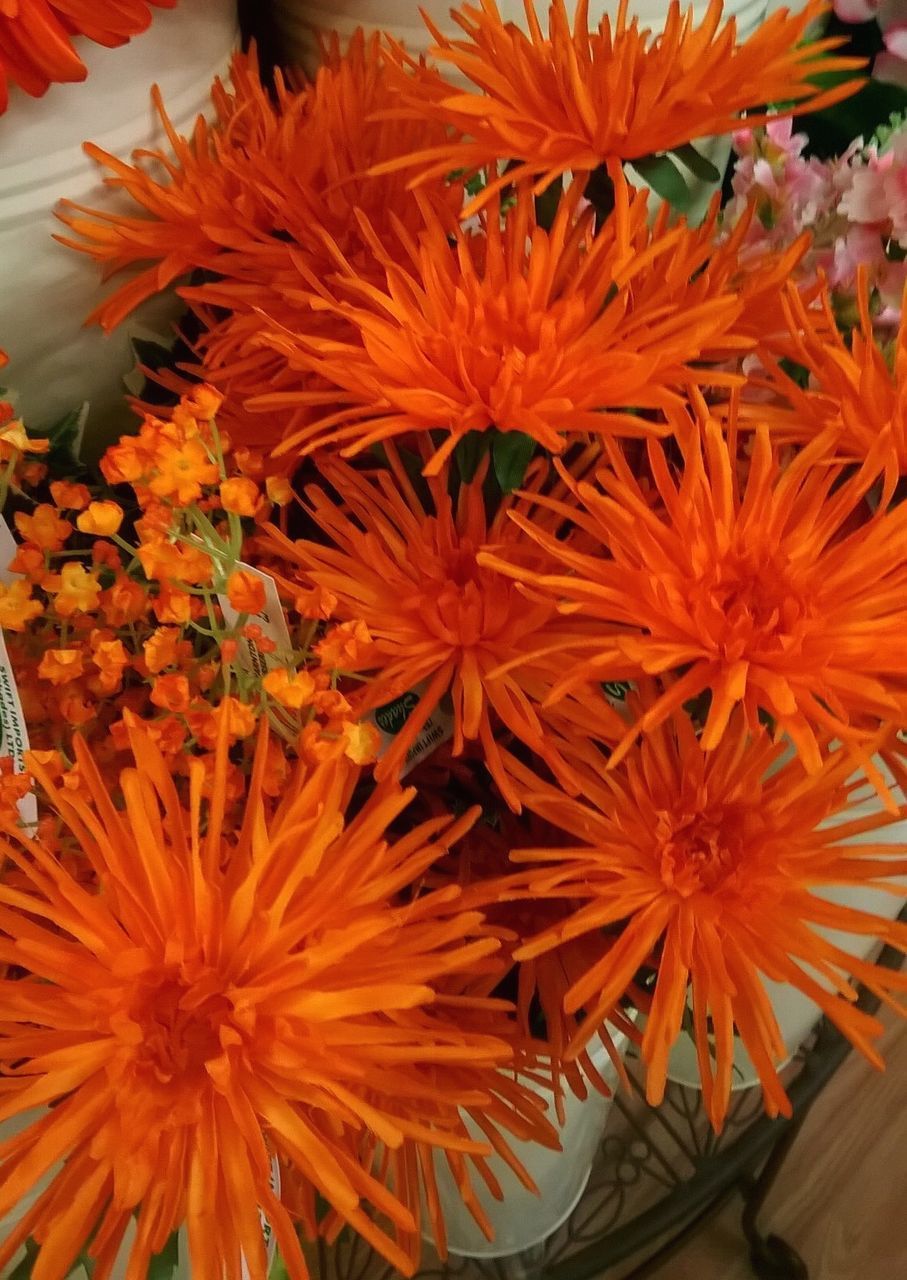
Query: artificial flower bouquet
point(490, 641)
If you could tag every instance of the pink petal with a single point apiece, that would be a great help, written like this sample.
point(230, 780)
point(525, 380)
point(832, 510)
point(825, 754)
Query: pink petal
point(890, 13)
point(890, 69)
point(856, 10)
point(896, 40)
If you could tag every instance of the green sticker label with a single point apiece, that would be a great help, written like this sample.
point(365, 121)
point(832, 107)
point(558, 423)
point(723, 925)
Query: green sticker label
point(393, 715)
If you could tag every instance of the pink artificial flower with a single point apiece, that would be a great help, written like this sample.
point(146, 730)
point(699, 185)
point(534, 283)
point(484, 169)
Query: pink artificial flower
point(891, 16)
point(877, 196)
point(854, 206)
point(791, 193)
point(860, 246)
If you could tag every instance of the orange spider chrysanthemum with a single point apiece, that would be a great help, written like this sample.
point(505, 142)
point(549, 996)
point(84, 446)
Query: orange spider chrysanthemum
point(710, 867)
point(546, 332)
point(247, 199)
point(576, 99)
point(857, 390)
point(230, 996)
point(406, 568)
point(36, 37)
point(777, 592)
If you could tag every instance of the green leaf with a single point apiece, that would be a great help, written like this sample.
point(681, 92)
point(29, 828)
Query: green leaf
point(65, 438)
point(512, 452)
point(469, 453)
point(153, 355)
point(697, 164)
point(279, 1268)
point(163, 1264)
point(600, 194)
point(23, 1270)
point(796, 372)
point(546, 204)
point(831, 131)
point(665, 179)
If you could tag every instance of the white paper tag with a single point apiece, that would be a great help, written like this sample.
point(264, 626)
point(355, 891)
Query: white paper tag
point(390, 719)
point(13, 729)
point(14, 734)
point(8, 549)
point(273, 623)
point(266, 1229)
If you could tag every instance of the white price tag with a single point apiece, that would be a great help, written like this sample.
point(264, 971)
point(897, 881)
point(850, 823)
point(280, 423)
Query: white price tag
point(266, 1229)
point(13, 729)
point(273, 623)
point(14, 734)
point(8, 549)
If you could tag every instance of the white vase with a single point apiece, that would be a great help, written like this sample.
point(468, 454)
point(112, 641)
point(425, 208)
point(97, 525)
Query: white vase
point(796, 1014)
point(48, 290)
point(522, 1219)
point(296, 19)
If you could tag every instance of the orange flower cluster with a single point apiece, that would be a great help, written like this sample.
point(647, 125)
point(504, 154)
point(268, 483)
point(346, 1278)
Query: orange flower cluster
point(36, 38)
point(362, 281)
point(102, 628)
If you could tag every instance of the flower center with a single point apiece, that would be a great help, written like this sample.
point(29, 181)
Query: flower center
point(698, 852)
point(176, 1028)
point(752, 609)
point(455, 605)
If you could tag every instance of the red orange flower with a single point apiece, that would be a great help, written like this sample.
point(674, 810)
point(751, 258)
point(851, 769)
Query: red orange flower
point(286, 174)
point(292, 689)
point(406, 570)
point(17, 608)
point(518, 328)
point(233, 995)
point(577, 99)
point(710, 868)
point(857, 388)
point(101, 518)
point(43, 527)
point(245, 591)
point(755, 590)
point(36, 37)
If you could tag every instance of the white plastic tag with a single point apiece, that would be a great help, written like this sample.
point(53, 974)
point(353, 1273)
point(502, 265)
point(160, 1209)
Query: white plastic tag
point(8, 549)
point(273, 623)
point(14, 734)
point(266, 1229)
point(390, 719)
point(616, 692)
point(13, 729)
